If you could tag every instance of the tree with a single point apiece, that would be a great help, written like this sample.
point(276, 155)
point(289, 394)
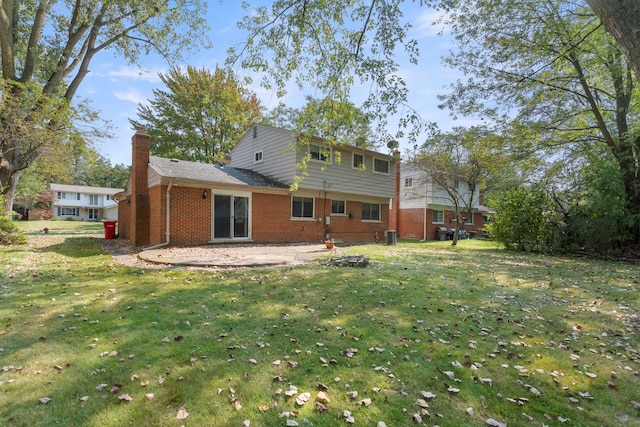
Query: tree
point(330, 46)
point(622, 19)
point(554, 75)
point(46, 51)
point(458, 163)
point(200, 117)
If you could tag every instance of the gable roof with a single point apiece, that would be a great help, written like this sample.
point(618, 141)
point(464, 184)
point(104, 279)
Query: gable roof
point(208, 173)
point(83, 189)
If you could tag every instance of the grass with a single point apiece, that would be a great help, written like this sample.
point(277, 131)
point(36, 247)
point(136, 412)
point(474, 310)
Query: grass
point(531, 339)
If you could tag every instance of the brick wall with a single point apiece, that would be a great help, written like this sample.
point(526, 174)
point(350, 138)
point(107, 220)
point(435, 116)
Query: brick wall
point(412, 225)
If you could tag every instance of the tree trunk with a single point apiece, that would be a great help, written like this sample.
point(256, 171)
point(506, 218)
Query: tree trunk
point(9, 193)
point(621, 18)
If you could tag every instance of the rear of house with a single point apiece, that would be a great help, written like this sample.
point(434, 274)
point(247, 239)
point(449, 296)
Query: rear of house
point(427, 210)
point(258, 197)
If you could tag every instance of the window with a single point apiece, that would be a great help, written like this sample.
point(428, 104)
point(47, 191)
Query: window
point(338, 207)
point(472, 186)
point(93, 199)
point(107, 197)
point(370, 212)
point(319, 153)
point(408, 182)
point(257, 157)
point(381, 166)
point(438, 217)
point(357, 161)
point(68, 212)
point(301, 207)
point(469, 221)
point(255, 132)
point(93, 213)
point(456, 184)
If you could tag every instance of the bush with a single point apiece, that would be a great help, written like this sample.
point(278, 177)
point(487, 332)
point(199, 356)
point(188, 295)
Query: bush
point(9, 233)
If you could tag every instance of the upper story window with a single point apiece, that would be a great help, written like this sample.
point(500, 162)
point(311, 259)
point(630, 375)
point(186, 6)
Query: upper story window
point(357, 161)
point(93, 199)
point(456, 184)
point(381, 166)
point(68, 196)
point(255, 132)
point(320, 153)
point(301, 207)
point(370, 212)
point(107, 197)
point(472, 186)
point(258, 157)
point(338, 207)
point(408, 182)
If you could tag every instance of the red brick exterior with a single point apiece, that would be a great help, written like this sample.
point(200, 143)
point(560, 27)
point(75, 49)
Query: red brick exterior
point(142, 217)
point(412, 224)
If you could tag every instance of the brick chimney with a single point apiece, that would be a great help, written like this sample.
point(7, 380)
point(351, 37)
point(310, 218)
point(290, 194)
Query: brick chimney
point(140, 208)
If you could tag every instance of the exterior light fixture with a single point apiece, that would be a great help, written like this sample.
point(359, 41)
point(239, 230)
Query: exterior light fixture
point(204, 195)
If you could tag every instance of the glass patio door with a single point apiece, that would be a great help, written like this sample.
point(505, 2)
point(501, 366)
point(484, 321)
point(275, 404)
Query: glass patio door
point(230, 217)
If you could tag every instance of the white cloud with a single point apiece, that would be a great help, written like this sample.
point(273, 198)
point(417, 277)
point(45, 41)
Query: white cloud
point(131, 73)
point(430, 23)
point(131, 95)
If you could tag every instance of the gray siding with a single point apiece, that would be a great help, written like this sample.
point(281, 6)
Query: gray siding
point(343, 178)
point(278, 159)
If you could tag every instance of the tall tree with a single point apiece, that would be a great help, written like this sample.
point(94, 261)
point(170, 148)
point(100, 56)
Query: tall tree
point(459, 163)
point(201, 115)
point(46, 50)
point(622, 19)
point(557, 81)
point(331, 46)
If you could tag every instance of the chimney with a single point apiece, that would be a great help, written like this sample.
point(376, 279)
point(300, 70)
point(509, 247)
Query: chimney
point(140, 208)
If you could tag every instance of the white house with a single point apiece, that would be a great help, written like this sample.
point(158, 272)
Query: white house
point(84, 203)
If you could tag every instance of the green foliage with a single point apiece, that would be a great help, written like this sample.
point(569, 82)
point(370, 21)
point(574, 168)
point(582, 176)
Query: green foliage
point(522, 220)
point(46, 53)
point(326, 48)
point(551, 77)
point(9, 233)
point(200, 117)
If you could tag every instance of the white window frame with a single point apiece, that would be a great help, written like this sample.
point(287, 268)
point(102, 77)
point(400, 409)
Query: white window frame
point(437, 212)
point(408, 182)
point(344, 207)
point(313, 208)
point(361, 166)
point(375, 170)
point(369, 219)
point(258, 156)
point(94, 199)
point(322, 158)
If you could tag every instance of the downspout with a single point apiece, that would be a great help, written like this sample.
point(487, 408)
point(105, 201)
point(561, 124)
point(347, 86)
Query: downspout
point(168, 227)
point(426, 205)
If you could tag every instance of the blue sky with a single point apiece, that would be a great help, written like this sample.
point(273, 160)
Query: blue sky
point(115, 88)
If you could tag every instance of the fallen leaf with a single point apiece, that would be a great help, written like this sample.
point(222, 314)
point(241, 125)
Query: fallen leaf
point(182, 412)
point(125, 398)
point(321, 407)
point(149, 396)
point(322, 397)
point(101, 387)
point(44, 400)
point(495, 423)
point(303, 398)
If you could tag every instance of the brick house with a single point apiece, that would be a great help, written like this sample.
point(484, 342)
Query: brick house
point(426, 209)
point(250, 199)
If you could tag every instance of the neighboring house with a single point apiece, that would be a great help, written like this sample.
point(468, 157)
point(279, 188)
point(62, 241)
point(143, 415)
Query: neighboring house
point(84, 203)
point(251, 199)
point(426, 208)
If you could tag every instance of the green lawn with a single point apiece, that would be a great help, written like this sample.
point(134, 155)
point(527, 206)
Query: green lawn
point(524, 340)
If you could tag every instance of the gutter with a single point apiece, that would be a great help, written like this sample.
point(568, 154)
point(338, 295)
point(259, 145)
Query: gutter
point(168, 227)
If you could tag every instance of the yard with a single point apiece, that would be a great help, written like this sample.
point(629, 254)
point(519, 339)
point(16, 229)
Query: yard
point(427, 334)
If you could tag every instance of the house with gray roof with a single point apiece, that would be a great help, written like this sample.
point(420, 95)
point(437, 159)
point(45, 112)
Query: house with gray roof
point(261, 195)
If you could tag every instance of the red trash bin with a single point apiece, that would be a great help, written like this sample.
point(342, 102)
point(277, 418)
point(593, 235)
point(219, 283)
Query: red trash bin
point(109, 229)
